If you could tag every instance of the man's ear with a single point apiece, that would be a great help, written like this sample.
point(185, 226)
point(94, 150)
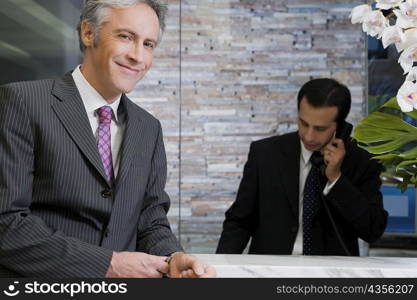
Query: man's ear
point(87, 34)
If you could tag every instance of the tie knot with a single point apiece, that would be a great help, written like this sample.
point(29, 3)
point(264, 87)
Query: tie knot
point(105, 114)
point(316, 159)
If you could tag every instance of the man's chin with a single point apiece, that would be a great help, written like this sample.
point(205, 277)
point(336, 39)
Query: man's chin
point(312, 148)
point(125, 89)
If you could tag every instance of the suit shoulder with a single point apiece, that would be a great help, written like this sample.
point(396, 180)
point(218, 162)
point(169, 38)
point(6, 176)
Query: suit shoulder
point(276, 139)
point(358, 152)
point(26, 90)
point(361, 158)
point(24, 85)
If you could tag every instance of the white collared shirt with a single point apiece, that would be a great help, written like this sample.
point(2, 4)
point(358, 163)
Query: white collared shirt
point(305, 166)
point(92, 101)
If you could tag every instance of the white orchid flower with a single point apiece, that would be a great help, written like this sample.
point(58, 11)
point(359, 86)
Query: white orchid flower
point(412, 75)
point(407, 96)
point(407, 14)
point(359, 12)
point(410, 38)
point(392, 34)
point(387, 4)
point(408, 57)
point(402, 20)
point(374, 23)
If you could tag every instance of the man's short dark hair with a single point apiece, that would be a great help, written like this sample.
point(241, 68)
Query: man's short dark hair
point(325, 92)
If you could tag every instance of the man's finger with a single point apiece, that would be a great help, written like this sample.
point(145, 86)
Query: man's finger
point(338, 143)
point(331, 147)
point(155, 274)
point(162, 267)
point(159, 263)
point(197, 266)
point(209, 271)
point(188, 274)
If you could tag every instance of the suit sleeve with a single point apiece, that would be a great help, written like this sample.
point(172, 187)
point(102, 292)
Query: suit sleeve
point(28, 247)
point(241, 217)
point(154, 232)
point(359, 201)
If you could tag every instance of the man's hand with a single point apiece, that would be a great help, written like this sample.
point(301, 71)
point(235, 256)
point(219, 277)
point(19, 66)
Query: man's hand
point(137, 265)
point(333, 154)
point(187, 266)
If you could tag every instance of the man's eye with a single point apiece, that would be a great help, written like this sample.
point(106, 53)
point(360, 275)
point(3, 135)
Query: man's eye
point(150, 45)
point(321, 129)
point(125, 37)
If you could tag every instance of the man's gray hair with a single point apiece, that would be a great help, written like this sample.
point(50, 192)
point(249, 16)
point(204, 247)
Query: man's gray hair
point(95, 12)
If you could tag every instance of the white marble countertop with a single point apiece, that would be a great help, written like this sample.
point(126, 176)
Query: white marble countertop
point(309, 266)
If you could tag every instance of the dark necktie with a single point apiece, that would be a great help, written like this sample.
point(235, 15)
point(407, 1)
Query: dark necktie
point(311, 201)
point(104, 141)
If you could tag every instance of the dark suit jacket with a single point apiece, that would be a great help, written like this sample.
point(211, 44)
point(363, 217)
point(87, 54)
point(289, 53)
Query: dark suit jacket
point(266, 207)
point(58, 215)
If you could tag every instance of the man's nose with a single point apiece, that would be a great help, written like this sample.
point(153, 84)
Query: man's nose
point(310, 135)
point(136, 53)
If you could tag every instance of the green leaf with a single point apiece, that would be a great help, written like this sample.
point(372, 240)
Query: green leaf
point(384, 133)
point(389, 146)
point(368, 134)
point(387, 121)
point(410, 154)
point(392, 103)
point(406, 163)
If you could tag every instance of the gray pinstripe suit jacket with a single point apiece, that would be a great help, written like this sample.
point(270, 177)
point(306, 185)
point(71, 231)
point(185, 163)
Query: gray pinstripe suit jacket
point(58, 215)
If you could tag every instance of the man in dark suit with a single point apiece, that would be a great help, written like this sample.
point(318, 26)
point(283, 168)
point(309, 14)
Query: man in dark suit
point(82, 168)
point(288, 203)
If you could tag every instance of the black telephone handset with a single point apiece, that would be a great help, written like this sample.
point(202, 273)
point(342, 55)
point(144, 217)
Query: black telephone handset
point(343, 132)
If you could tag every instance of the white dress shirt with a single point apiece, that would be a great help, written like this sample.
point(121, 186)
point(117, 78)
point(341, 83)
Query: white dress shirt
point(305, 166)
point(92, 101)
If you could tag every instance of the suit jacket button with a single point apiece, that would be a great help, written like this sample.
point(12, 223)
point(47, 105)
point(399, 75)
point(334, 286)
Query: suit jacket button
point(106, 233)
point(294, 229)
point(106, 194)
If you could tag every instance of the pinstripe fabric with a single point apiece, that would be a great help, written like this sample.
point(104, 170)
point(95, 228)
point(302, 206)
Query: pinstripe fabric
point(58, 215)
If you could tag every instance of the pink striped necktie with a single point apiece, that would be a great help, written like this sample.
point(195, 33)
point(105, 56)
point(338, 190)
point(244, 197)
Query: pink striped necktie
point(104, 141)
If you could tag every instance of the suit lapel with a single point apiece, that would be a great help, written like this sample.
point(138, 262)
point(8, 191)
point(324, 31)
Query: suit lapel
point(133, 135)
point(289, 166)
point(71, 112)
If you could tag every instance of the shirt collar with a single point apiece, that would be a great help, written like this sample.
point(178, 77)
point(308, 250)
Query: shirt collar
point(305, 154)
point(91, 98)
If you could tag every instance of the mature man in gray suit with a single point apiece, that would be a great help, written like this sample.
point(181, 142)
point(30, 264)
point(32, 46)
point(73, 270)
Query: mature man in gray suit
point(82, 168)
